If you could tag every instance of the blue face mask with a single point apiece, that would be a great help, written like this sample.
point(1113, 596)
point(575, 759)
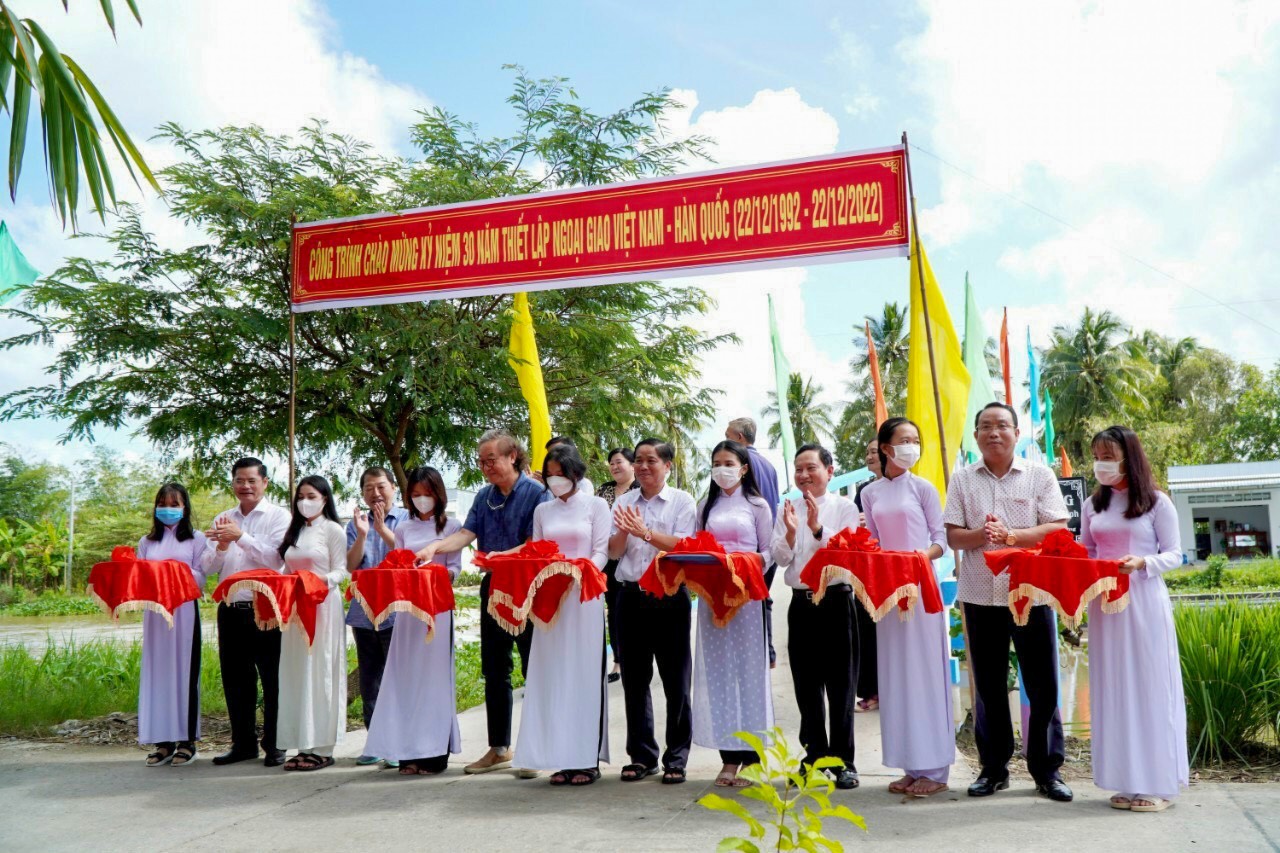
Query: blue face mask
point(169, 514)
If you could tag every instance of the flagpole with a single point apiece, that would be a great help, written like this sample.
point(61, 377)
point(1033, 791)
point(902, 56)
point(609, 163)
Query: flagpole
point(293, 360)
point(924, 302)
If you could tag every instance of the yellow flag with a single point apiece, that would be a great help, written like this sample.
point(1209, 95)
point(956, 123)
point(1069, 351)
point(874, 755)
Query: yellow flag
point(524, 361)
point(953, 378)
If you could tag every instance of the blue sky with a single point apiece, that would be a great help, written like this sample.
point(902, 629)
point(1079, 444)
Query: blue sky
point(1115, 155)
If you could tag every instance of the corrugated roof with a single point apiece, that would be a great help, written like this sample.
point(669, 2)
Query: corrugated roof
point(1236, 484)
point(1226, 471)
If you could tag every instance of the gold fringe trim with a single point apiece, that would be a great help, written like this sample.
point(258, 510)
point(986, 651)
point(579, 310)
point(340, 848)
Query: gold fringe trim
point(397, 607)
point(261, 589)
point(734, 602)
point(130, 606)
point(524, 613)
point(909, 591)
point(1035, 595)
point(1109, 606)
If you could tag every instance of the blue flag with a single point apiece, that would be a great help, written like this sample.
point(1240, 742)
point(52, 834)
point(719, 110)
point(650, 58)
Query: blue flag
point(1033, 368)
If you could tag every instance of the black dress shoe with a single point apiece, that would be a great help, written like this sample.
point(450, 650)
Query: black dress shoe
point(274, 758)
point(846, 779)
point(1056, 790)
point(234, 755)
point(985, 786)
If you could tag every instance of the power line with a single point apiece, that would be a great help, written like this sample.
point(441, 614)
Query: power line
point(1112, 246)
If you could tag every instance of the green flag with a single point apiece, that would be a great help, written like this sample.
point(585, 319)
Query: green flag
point(975, 361)
point(782, 377)
point(16, 272)
point(1048, 429)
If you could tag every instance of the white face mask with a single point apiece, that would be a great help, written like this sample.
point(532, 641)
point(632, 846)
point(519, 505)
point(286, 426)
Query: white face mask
point(560, 486)
point(905, 455)
point(1108, 473)
point(726, 476)
point(424, 504)
point(310, 507)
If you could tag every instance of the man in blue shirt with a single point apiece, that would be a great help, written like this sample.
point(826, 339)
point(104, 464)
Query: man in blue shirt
point(369, 537)
point(743, 431)
point(501, 518)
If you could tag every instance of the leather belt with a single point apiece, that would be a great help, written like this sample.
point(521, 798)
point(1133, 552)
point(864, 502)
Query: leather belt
point(807, 594)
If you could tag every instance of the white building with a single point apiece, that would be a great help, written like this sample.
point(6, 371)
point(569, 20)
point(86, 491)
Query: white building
point(1231, 509)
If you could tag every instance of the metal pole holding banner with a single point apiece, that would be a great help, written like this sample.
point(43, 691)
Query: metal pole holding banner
point(293, 362)
point(924, 302)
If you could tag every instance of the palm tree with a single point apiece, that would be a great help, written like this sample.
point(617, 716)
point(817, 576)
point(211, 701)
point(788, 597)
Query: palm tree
point(1093, 370)
point(810, 420)
point(1170, 355)
point(889, 333)
point(64, 93)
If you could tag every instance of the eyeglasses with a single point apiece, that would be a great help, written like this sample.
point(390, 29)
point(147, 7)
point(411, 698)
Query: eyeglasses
point(487, 461)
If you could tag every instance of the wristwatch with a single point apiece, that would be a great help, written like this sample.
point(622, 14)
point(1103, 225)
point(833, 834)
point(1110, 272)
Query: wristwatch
point(648, 535)
point(1011, 539)
point(817, 534)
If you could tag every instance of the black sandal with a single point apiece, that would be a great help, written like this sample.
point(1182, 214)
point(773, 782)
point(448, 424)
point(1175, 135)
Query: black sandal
point(163, 755)
point(638, 772)
point(588, 774)
point(673, 776)
point(185, 751)
point(311, 761)
point(560, 777)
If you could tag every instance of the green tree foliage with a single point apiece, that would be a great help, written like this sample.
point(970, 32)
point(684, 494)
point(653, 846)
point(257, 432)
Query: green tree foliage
point(810, 420)
point(33, 68)
point(192, 344)
point(1254, 431)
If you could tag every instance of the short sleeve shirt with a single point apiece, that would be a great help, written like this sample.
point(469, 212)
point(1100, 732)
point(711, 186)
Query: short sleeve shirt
point(1026, 496)
point(501, 522)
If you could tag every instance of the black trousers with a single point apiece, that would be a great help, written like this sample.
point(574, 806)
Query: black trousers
point(768, 613)
point(990, 631)
point(868, 682)
point(248, 655)
point(823, 647)
point(371, 654)
point(613, 588)
point(496, 668)
point(656, 629)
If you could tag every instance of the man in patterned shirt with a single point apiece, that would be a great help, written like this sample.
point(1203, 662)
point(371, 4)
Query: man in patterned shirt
point(1004, 501)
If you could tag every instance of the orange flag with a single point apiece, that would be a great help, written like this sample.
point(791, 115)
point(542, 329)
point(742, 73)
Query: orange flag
point(1066, 463)
point(1004, 358)
point(882, 411)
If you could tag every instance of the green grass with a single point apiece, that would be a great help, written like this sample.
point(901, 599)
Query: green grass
point(1241, 576)
point(1230, 655)
point(53, 604)
point(78, 681)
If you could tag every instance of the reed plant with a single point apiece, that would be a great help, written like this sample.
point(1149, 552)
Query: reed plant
point(1230, 655)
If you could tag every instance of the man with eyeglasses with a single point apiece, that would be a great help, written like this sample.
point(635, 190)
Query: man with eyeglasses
point(1005, 501)
point(501, 518)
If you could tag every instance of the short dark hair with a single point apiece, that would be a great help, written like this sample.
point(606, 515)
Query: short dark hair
point(249, 462)
point(558, 440)
point(665, 451)
point(823, 453)
point(996, 405)
point(627, 454)
point(571, 464)
point(377, 471)
point(1137, 470)
point(431, 478)
point(182, 530)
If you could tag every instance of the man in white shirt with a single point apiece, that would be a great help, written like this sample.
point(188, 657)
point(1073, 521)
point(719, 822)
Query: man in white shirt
point(822, 638)
point(646, 520)
point(1004, 501)
point(248, 537)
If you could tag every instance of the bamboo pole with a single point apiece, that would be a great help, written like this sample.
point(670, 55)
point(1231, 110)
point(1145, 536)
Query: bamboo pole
point(293, 363)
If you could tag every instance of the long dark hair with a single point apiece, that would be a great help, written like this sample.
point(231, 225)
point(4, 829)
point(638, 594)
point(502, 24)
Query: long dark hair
point(884, 436)
point(569, 460)
point(1137, 470)
point(321, 485)
point(431, 478)
point(182, 530)
point(749, 487)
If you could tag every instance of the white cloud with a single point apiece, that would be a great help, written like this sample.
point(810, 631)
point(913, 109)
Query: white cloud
point(775, 125)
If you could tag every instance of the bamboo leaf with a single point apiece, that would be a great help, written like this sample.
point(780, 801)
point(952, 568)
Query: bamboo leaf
point(133, 7)
point(119, 136)
point(51, 119)
point(110, 15)
point(93, 177)
point(6, 63)
point(18, 131)
point(59, 73)
point(26, 51)
point(70, 164)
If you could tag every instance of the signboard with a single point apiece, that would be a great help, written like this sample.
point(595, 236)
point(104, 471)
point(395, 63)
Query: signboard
point(1073, 494)
point(830, 208)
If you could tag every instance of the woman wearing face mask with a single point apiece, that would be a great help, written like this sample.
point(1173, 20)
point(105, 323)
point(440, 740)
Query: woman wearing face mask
point(622, 469)
point(903, 511)
point(313, 679)
point(1139, 725)
point(415, 721)
point(731, 690)
point(564, 722)
point(169, 691)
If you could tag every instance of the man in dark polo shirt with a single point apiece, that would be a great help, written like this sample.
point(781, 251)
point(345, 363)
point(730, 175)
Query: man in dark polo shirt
point(501, 518)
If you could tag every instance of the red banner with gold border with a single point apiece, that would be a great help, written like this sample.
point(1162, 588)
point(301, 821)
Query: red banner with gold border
point(821, 209)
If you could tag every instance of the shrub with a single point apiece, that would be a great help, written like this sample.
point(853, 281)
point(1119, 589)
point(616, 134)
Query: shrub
point(1230, 654)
